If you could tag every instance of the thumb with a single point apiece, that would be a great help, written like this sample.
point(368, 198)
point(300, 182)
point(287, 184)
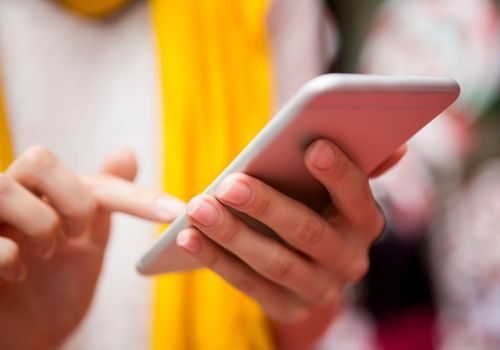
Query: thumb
point(120, 163)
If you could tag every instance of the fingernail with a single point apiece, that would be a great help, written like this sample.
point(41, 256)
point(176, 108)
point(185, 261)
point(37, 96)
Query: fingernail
point(45, 249)
point(168, 208)
point(20, 274)
point(322, 156)
point(203, 211)
point(234, 191)
point(188, 242)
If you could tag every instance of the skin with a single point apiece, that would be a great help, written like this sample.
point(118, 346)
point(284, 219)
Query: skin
point(54, 227)
point(297, 283)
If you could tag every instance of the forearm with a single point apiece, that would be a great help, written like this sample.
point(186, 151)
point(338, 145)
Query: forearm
point(304, 334)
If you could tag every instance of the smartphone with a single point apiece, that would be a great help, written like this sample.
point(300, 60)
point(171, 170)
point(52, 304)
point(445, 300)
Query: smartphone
point(367, 116)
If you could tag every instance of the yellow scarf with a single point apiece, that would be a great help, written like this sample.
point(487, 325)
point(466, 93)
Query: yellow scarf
point(215, 75)
point(6, 153)
point(214, 63)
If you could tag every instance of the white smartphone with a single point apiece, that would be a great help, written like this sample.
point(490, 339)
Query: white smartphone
point(367, 116)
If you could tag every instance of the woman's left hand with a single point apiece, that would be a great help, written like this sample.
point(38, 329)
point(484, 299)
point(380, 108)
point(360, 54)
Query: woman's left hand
point(321, 254)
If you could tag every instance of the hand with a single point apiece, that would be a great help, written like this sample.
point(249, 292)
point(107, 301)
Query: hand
point(320, 255)
point(54, 227)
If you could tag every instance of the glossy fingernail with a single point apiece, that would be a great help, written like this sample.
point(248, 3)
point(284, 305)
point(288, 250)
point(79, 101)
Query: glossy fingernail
point(234, 191)
point(188, 242)
point(168, 208)
point(203, 211)
point(46, 249)
point(322, 156)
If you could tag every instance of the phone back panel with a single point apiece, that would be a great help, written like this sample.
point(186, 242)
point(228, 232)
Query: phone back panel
point(367, 125)
point(368, 117)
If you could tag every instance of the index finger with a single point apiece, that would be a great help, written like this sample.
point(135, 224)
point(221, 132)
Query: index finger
point(42, 173)
point(118, 195)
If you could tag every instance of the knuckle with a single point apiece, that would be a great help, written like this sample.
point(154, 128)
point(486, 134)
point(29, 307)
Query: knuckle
point(340, 167)
point(49, 228)
point(295, 312)
point(228, 235)
point(309, 232)
point(324, 293)
point(5, 184)
point(9, 253)
point(287, 308)
point(39, 158)
point(261, 208)
point(279, 269)
point(245, 282)
point(212, 259)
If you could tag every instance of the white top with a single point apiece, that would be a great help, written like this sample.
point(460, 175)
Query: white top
point(83, 88)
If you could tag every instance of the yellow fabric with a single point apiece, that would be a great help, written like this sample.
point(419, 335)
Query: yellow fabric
point(215, 80)
point(94, 8)
point(6, 153)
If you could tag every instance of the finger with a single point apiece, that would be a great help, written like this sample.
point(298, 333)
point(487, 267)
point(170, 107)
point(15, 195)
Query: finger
point(348, 187)
point(297, 224)
point(264, 255)
point(29, 215)
point(38, 170)
point(120, 163)
point(123, 196)
point(115, 194)
point(390, 162)
point(276, 302)
point(11, 267)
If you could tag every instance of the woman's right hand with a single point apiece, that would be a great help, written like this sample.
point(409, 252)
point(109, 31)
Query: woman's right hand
point(54, 226)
